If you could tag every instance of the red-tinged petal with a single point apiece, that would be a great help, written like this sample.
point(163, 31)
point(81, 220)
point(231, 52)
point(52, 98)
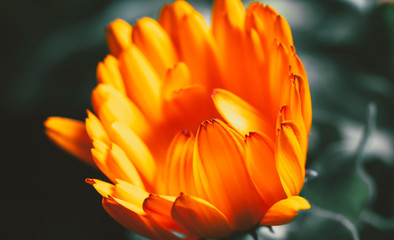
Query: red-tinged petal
point(223, 178)
point(141, 81)
point(159, 208)
point(70, 135)
point(155, 44)
point(108, 73)
point(284, 211)
point(260, 161)
point(118, 36)
point(200, 217)
point(135, 222)
point(289, 158)
point(242, 116)
point(136, 151)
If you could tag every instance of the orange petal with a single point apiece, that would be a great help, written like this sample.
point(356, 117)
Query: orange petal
point(188, 106)
point(278, 74)
point(186, 27)
point(233, 8)
point(284, 211)
point(242, 116)
point(159, 209)
point(178, 167)
point(289, 156)
point(108, 73)
point(141, 81)
point(133, 195)
point(112, 106)
point(70, 135)
point(155, 44)
point(176, 78)
point(170, 17)
point(223, 175)
point(200, 217)
point(135, 149)
point(95, 129)
point(118, 36)
point(135, 222)
point(260, 161)
point(283, 32)
point(121, 166)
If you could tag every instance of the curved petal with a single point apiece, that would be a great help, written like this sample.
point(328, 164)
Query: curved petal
point(242, 116)
point(282, 31)
point(178, 166)
point(135, 149)
point(289, 157)
point(108, 73)
point(200, 217)
point(155, 43)
point(70, 135)
point(113, 106)
point(141, 81)
point(118, 36)
point(225, 181)
point(284, 211)
point(138, 223)
point(95, 129)
point(159, 208)
point(260, 161)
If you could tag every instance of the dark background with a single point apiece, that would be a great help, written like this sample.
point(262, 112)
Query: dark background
point(50, 49)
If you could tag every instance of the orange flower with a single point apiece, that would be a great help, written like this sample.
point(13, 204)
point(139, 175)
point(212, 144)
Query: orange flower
point(232, 174)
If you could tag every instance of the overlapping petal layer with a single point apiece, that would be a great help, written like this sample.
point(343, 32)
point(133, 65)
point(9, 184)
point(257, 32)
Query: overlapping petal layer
point(154, 91)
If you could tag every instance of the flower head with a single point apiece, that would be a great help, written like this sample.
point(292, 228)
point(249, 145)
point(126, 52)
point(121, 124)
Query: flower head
point(230, 175)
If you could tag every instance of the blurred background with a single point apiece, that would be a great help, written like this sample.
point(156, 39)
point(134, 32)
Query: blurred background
point(48, 64)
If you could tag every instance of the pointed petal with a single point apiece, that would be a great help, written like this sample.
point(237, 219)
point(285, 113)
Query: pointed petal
point(118, 36)
point(95, 129)
point(283, 32)
point(135, 222)
point(284, 211)
point(188, 28)
point(70, 135)
point(278, 74)
point(233, 8)
point(220, 159)
point(135, 149)
point(288, 155)
point(112, 106)
point(141, 81)
point(108, 73)
point(242, 116)
point(178, 167)
point(155, 44)
point(200, 217)
point(260, 161)
point(159, 209)
point(122, 167)
point(123, 191)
